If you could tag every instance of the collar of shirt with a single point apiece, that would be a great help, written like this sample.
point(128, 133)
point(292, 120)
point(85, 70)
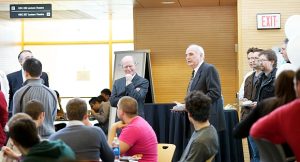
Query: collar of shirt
point(74, 122)
point(196, 69)
point(23, 75)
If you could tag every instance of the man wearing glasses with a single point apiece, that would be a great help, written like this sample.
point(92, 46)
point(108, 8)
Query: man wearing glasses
point(131, 85)
point(268, 61)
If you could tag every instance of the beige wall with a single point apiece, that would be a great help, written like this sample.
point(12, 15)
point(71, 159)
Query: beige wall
point(249, 36)
point(168, 31)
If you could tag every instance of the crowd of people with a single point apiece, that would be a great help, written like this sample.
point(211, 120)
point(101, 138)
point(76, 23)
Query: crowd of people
point(29, 108)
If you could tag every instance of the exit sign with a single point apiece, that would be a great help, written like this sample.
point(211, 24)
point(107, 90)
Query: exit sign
point(268, 21)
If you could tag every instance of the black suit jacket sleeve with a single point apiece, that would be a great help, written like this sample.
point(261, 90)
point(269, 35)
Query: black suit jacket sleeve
point(213, 83)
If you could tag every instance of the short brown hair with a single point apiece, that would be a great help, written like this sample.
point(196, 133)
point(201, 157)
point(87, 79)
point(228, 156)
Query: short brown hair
point(76, 109)
point(128, 105)
point(270, 55)
point(34, 108)
point(254, 49)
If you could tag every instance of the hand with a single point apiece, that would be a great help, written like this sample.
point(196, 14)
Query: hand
point(244, 99)
point(87, 122)
point(128, 78)
point(93, 112)
point(10, 153)
point(253, 105)
point(119, 125)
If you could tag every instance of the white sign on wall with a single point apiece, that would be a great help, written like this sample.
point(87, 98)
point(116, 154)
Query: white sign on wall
point(268, 20)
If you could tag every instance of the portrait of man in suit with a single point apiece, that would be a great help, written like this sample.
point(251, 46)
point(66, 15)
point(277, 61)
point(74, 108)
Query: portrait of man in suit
point(131, 85)
point(16, 79)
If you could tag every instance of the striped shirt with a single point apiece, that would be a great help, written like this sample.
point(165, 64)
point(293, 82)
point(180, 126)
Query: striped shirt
point(34, 89)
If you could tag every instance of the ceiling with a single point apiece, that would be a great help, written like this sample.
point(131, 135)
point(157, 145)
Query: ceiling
point(96, 9)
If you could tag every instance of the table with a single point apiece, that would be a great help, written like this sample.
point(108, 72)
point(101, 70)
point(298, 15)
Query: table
point(173, 127)
point(158, 116)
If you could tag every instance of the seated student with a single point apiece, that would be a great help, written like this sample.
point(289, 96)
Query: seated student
point(24, 135)
point(282, 125)
point(88, 143)
point(100, 110)
point(10, 151)
point(137, 136)
point(60, 111)
point(204, 141)
point(106, 93)
point(35, 109)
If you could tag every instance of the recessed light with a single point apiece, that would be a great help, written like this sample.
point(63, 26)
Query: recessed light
point(167, 2)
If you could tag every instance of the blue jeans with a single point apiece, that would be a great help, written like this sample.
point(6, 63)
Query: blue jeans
point(254, 149)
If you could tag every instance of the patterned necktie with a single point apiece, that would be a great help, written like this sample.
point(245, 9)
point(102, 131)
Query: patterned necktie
point(193, 72)
point(191, 82)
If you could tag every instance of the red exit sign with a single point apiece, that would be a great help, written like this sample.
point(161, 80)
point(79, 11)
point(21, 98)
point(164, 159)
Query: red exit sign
point(268, 21)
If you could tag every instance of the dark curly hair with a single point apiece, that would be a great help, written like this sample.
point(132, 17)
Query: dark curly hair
point(198, 105)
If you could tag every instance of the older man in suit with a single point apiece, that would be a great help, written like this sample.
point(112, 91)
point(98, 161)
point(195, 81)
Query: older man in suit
point(131, 85)
point(16, 79)
point(206, 79)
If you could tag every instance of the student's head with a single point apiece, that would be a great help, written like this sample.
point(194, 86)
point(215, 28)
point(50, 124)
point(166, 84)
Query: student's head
point(95, 102)
point(297, 83)
point(197, 105)
point(194, 55)
point(268, 60)
point(17, 117)
point(35, 109)
point(252, 56)
point(76, 109)
point(106, 94)
point(24, 55)
point(32, 67)
point(127, 106)
point(24, 134)
point(284, 86)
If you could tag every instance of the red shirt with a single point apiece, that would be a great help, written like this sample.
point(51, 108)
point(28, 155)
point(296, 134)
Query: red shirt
point(280, 126)
point(3, 118)
point(141, 138)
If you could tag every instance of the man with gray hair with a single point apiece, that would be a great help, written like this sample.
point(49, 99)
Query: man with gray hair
point(205, 78)
point(131, 85)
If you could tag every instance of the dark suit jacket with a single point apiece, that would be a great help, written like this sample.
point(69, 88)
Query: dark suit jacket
point(207, 80)
point(15, 80)
point(137, 89)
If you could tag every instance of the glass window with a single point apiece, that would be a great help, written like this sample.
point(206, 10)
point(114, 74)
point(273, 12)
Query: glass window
point(66, 30)
point(75, 70)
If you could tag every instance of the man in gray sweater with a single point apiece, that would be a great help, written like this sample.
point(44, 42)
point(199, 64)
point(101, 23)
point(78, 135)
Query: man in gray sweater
point(33, 89)
point(88, 143)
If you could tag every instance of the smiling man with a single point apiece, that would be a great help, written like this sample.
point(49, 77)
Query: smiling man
point(131, 85)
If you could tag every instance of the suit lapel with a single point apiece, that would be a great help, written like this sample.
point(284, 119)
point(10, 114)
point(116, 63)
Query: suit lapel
point(197, 77)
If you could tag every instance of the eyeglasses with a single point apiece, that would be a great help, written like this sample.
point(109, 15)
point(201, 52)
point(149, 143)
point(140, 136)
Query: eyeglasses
point(262, 60)
point(253, 58)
